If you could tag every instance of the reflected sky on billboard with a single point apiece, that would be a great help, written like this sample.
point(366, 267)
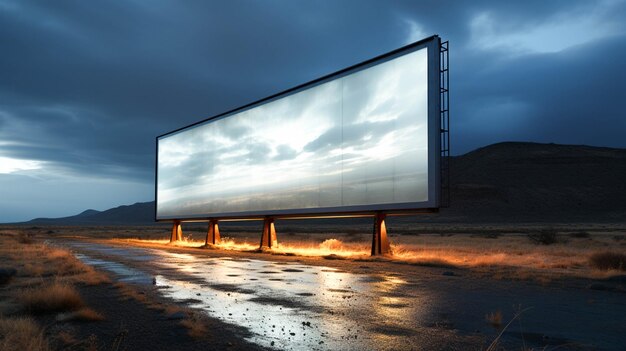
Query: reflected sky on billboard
point(361, 139)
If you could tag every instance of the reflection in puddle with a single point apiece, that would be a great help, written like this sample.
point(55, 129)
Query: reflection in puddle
point(284, 305)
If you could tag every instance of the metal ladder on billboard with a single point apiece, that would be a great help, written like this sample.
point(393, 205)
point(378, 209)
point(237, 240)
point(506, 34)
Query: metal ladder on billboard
point(444, 103)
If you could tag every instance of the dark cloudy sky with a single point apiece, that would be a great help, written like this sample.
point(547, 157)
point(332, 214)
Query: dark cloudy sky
point(86, 86)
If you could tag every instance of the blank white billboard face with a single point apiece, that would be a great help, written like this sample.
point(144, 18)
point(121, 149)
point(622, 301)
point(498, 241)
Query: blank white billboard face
point(358, 140)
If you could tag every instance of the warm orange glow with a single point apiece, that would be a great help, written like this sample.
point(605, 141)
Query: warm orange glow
point(464, 251)
point(511, 252)
point(326, 248)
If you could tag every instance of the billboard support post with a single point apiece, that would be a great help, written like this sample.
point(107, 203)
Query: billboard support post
point(380, 243)
point(213, 233)
point(177, 231)
point(268, 239)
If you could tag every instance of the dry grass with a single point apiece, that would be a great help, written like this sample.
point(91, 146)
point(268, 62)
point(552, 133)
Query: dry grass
point(91, 344)
point(544, 237)
point(498, 251)
point(45, 283)
point(36, 259)
point(327, 247)
point(542, 258)
point(608, 260)
point(84, 314)
point(66, 338)
point(506, 255)
point(510, 256)
point(90, 276)
point(87, 314)
point(494, 344)
point(44, 260)
point(580, 234)
point(21, 334)
point(25, 238)
point(50, 297)
point(494, 318)
point(130, 293)
point(195, 325)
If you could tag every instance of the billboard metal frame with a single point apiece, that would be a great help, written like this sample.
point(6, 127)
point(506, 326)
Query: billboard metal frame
point(437, 132)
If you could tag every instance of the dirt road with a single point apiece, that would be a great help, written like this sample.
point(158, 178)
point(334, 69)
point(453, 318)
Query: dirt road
point(297, 303)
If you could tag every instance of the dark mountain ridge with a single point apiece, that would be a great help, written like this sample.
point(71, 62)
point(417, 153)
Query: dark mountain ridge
point(539, 182)
point(135, 214)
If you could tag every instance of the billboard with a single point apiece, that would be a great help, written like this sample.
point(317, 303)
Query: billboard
point(363, 139)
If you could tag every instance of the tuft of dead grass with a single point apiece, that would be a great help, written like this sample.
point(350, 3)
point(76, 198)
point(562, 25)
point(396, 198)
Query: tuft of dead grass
point(544, 237)
point(332, 245)
point(90, 276)
point(51, 297)
point(580, 234)
point(84, 314)
point(66, 338)
point(41, 260)
point(196, 327)
point(25, 238)
point(129, 293)
point(608, 260)
point(494, 318)
point(33, 270)
point(44, 283)
point(91, 344)
point(494, 344)
point(88, 314)
point(21, 334)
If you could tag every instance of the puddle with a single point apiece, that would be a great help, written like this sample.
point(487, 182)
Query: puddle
point(123, 272)
point(291, 308)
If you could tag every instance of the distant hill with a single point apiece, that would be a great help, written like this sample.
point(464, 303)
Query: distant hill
point(136, 214)
point(511, 181)
point(515, 181)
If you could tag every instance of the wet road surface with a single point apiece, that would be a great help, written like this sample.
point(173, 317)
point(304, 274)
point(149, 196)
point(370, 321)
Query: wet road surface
point(295, 306)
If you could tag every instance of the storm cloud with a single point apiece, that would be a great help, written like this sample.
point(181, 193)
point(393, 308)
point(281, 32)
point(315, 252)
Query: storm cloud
point(87, 87)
